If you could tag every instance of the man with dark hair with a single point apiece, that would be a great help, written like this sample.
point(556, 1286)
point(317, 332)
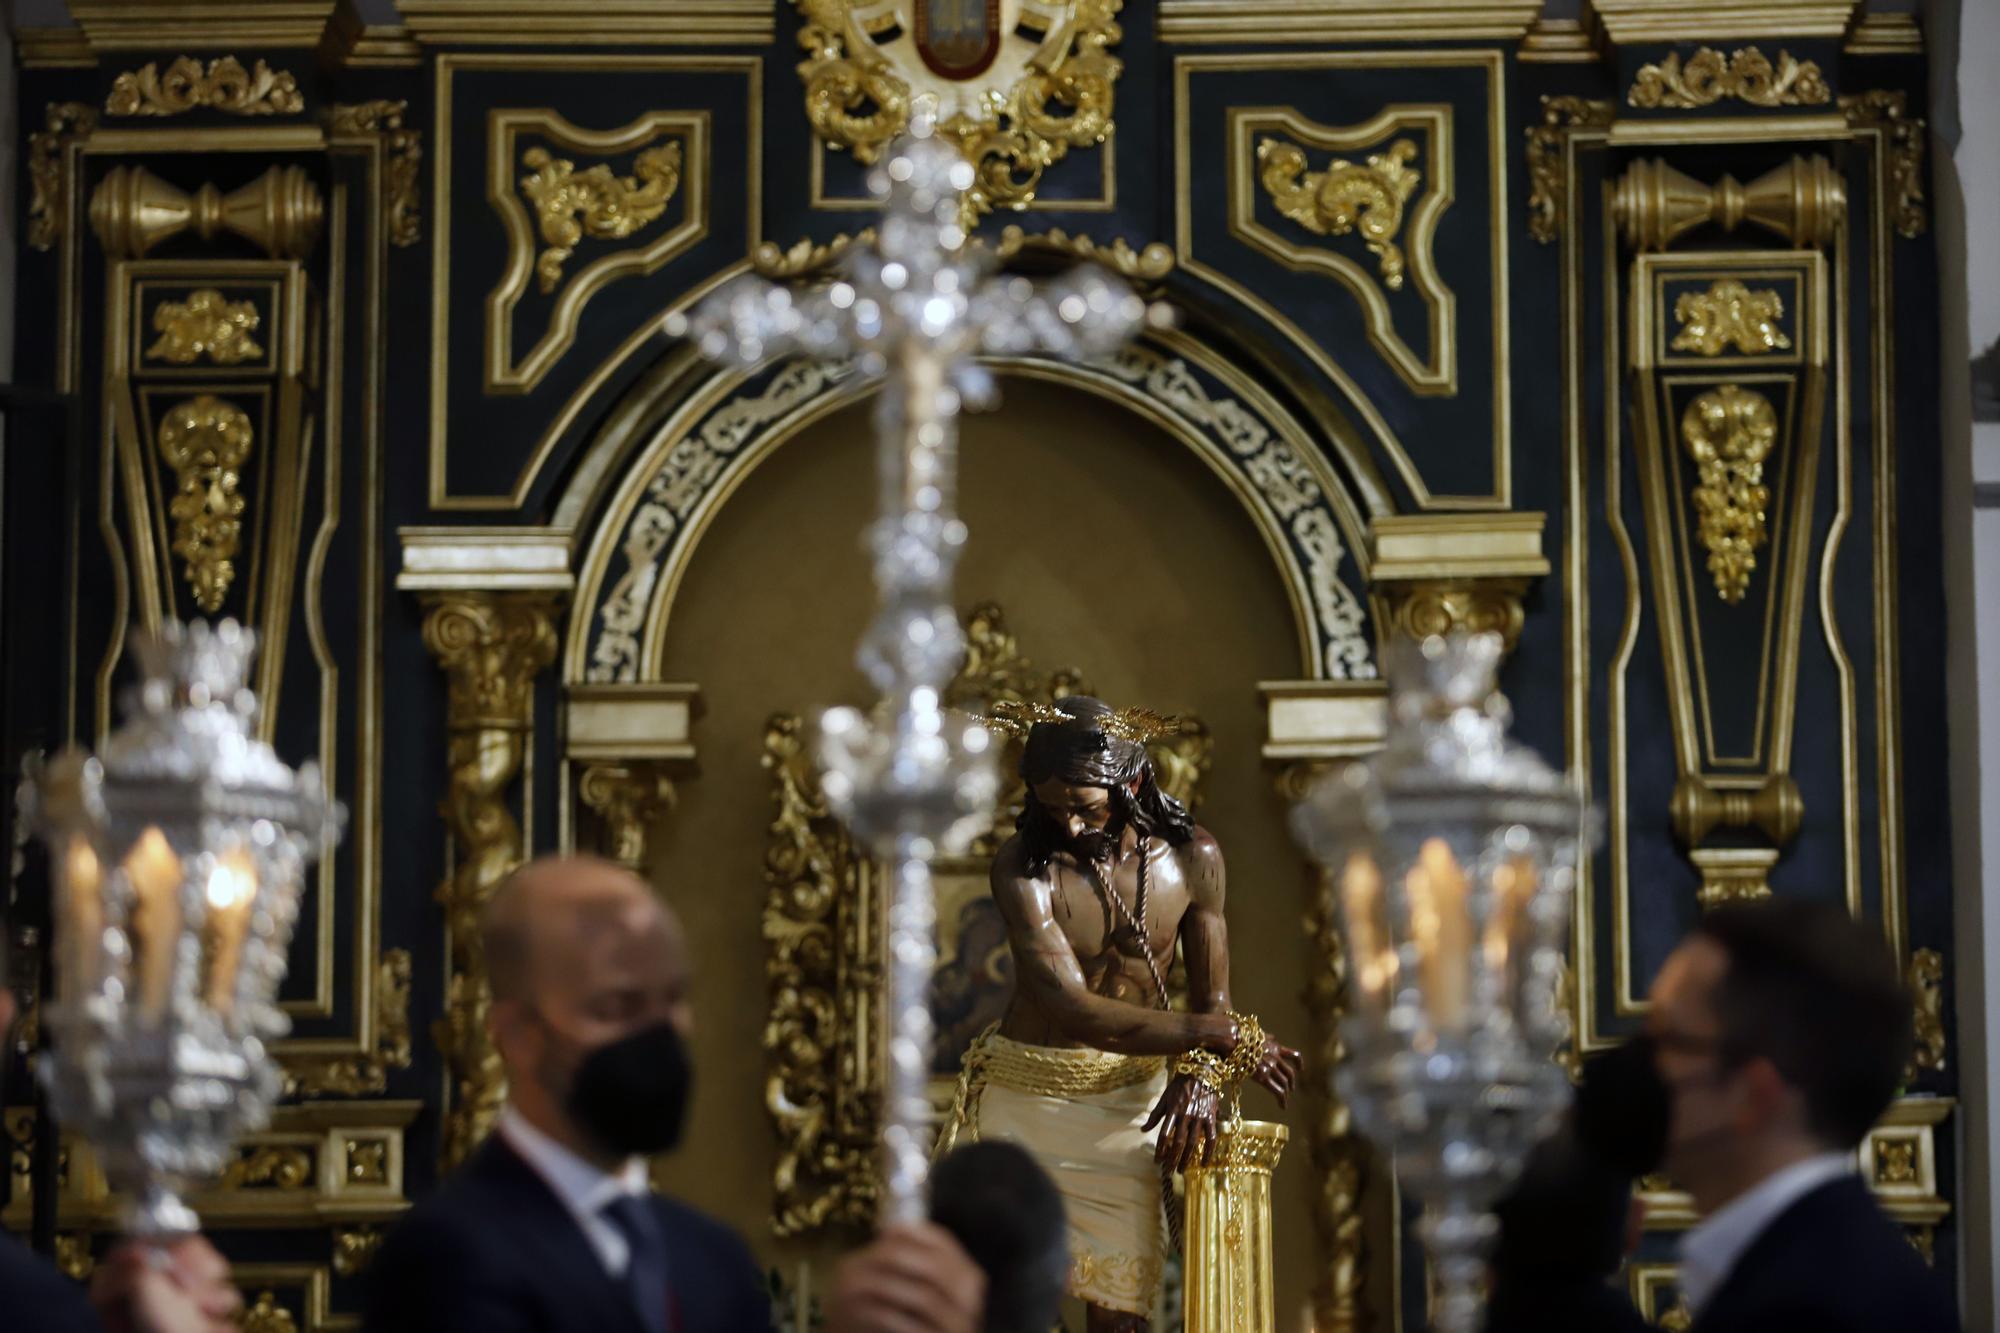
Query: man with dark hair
point(1781, 1030)
point(552, 1225)
point(1006, 1213)
point(992, 1258)
point(1104, 877)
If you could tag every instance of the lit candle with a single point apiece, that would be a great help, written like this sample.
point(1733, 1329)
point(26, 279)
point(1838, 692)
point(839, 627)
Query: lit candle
point(83, 921)
point(232, 887)
point(155, 924)
point(1441, 930)
point(1513, 885)
point(1372, 957)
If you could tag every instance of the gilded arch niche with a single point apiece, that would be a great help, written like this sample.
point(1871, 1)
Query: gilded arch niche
point(632, 562)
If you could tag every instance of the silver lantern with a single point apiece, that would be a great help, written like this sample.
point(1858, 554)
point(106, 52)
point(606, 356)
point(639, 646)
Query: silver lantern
point(177, 856)
point(1453, 854)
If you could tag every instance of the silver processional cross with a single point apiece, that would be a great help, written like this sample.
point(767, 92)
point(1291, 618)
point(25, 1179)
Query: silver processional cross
point(916, 309)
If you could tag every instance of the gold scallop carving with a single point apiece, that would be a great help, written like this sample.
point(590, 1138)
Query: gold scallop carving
point(1730, 314)
point(205, 324)
point(1746, 74)
point(222, 85)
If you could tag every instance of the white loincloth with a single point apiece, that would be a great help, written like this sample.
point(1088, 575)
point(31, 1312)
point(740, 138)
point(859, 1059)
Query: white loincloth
point(1078, 1113)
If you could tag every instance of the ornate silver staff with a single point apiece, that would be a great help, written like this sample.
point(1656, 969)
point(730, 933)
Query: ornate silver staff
point(917, 307)
point(176, 857)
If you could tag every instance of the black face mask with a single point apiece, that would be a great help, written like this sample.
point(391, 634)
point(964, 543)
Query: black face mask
point(1622, 1108)
point(631, 1096)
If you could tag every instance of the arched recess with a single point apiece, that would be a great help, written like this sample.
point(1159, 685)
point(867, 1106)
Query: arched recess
point(651, 514)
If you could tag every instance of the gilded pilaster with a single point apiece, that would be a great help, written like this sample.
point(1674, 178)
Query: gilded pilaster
point(491, 646)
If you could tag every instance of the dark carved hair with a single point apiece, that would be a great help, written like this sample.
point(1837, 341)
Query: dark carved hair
point(1817, 994)
point(1079, 753)
point(1002, 1207)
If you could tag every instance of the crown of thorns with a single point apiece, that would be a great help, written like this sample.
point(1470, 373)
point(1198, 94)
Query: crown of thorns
point(1017, 718)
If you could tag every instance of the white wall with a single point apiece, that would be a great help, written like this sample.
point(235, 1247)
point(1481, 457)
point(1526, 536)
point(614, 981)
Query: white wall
point(1965, 119)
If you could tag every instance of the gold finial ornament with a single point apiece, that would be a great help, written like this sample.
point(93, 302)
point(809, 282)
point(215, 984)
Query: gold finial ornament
point(1804, 201)
point(133, 211)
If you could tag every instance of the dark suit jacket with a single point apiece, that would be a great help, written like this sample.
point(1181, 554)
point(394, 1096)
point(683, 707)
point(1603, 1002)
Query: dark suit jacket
point(35, 1298)
point(495, 1251)
point(1831, 1263)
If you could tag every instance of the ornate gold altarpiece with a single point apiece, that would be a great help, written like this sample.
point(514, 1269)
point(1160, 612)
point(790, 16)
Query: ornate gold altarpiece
point(1607, 332)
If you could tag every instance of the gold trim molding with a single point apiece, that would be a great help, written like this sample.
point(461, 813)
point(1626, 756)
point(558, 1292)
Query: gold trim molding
point(1262, 22)
point(1887, 111)
point(1021, 116)
point(1746, 74)
point(403, 155)
point(366, 1074)
point(1926, 981)
point(224, 85)
point(484, 559)
point(1641, 22)
point(609, 23)
point(49, 166)
point(1548, 189)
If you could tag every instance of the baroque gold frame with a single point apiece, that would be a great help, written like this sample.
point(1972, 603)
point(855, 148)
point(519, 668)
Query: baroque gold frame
point(824, 932)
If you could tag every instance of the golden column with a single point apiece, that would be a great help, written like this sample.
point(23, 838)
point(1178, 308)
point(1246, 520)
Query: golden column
point(1229, 1267)
point(491, 646)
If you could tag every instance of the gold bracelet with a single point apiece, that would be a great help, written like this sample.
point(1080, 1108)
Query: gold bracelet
point(1248, 1052)
point(1202, 1067)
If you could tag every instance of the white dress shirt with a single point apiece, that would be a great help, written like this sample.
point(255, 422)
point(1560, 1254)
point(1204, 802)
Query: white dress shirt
point(583, 1188)
point(1710, 1250)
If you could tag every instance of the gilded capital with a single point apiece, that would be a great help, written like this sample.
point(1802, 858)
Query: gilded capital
point(491, 646)
point(627, 798)
point(1434, 573)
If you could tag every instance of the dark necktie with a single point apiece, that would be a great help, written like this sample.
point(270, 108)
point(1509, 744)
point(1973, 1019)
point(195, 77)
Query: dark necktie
point(646, 1269)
